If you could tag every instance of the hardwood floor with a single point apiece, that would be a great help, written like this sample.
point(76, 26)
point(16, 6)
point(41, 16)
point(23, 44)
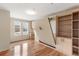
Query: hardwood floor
point(31, 48)
point(40, 49)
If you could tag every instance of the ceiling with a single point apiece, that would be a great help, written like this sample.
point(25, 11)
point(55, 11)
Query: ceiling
point(17, 10)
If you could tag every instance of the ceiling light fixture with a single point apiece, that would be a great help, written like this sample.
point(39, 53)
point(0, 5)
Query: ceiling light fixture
point(30, 12)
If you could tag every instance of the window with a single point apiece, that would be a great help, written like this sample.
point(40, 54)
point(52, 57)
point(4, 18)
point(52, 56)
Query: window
point(17, 27)
point(25, 28)
point(20, 27)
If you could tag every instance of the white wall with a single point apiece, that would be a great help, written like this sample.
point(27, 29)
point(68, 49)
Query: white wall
point(4, 30)
point(44, 35)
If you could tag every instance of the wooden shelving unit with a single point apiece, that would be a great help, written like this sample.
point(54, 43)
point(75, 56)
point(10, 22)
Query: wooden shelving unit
point(75, 35)
point(68, 27)
point(64, 26)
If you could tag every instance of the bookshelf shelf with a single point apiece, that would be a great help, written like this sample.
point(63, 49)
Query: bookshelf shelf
point(75, 35)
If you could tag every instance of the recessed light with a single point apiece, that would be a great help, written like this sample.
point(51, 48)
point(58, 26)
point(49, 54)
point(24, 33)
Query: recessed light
point(30, 12)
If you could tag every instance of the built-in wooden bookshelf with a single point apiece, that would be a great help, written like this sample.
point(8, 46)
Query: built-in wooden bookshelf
point(64, 26)
point(75, 35)
point(68, 27)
